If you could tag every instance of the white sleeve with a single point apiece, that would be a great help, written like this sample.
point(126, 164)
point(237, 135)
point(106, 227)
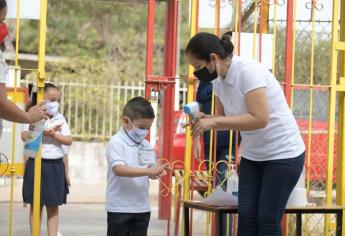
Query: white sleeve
point(65, 131)
point(66, 149)
point(252, 78)
point(3, 73)
point(115, 154)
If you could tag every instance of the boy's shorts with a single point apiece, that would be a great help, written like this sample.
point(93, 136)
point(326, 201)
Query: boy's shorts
point(123, 224)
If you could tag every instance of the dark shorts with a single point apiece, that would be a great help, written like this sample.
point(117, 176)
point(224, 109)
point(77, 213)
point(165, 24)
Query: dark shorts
point(128, 224)
point(54, 188)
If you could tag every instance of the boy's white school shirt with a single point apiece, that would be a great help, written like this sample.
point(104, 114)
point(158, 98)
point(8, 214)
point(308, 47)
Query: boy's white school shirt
point(126, 194)
point(52, 149)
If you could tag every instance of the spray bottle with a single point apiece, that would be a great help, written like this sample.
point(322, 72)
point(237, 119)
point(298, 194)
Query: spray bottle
point(191, 109)
point(32, 144)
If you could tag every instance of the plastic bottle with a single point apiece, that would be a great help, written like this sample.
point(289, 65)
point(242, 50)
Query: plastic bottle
point(232, 184)
point(32, 144)
point(191, 109)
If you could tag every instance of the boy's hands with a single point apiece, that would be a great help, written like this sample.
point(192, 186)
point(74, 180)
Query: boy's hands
point(52, 130)
point(157, 171)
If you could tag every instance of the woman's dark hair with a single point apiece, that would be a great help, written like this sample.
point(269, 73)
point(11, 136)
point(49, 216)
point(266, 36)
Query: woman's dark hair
point(203, 44)
point(3, 4)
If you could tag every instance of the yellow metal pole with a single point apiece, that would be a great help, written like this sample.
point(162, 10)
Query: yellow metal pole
point(331, 116)
point(255, 27)
point(340, 196)
point(310, 120)
point(190, 97)
point(40, 93)
point(293, 55)
point(311, 93)
point(14, 126)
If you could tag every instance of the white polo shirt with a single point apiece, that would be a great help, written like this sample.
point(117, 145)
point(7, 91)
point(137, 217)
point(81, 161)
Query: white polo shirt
point(52, 149)
point(126, 194)
point(3, 69)
point(281, 138)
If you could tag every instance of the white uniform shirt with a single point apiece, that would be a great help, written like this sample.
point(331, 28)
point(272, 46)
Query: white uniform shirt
point(52, 149)
point(126, 194)
point(3, 69)
point(281, 138)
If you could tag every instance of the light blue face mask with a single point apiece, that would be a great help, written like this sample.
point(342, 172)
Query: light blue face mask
point(136, 134)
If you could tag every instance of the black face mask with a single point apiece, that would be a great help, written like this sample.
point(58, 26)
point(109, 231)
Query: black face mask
point(205, 75)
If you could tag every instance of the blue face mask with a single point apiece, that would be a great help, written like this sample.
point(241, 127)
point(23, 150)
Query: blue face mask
point(136, 134)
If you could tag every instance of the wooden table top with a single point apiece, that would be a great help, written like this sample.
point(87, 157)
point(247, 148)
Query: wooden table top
point(233, 209)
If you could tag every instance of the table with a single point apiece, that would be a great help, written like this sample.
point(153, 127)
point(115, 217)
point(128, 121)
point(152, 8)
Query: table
point(220, 211)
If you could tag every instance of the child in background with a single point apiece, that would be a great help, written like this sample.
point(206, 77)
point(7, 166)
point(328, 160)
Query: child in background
point(131, 162)
point(55, 142)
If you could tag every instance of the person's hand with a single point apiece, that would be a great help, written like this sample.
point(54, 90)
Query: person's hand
point(56, 128)
point(200, 115)
point(163, 173)
point(37, 113)
point(197, 149)
point(157, 170)
point(68, 180)
point(193, 120)
point(49, 132)
point(201, 126)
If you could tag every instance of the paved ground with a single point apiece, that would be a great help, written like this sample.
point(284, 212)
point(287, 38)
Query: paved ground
point(84, 215)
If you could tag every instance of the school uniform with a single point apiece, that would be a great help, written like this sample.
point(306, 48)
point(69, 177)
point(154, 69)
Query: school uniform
point(273, 157)
point(127, 198)
point(54, 187)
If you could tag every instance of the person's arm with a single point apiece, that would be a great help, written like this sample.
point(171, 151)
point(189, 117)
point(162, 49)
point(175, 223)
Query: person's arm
point(257, 116)
point(65, 140)
point(9, 111)
point(65, 161)
point(60, 133)
point(126, 171)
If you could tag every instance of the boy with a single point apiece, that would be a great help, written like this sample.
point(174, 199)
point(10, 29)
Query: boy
point(131, 162)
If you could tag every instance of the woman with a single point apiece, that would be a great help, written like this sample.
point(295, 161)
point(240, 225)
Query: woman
point(249, 99)
point(8, 110)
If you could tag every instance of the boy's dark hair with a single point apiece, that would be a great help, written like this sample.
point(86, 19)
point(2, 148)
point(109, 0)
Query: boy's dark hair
point(48, 86)
point(138, 108)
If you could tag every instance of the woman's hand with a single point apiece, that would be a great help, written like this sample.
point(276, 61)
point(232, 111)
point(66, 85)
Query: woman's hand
point(201, 126)
point(195, 118)
point(37, 113)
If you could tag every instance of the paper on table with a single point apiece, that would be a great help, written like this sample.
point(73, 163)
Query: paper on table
point(221, 198)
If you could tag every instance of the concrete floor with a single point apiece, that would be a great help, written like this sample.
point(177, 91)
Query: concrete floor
point(84, 214)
